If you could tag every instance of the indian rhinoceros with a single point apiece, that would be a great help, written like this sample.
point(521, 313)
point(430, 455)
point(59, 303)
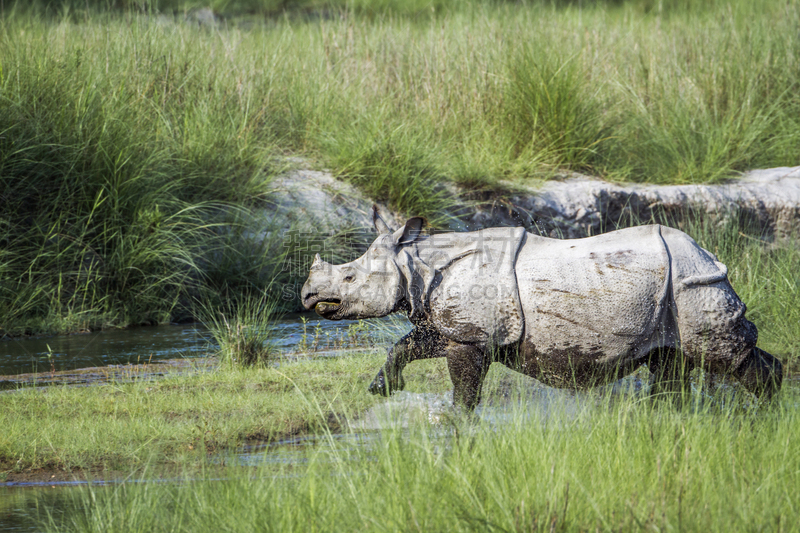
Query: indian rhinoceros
point(570, 313)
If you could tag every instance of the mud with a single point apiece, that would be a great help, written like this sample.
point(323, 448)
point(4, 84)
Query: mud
point(111, 373)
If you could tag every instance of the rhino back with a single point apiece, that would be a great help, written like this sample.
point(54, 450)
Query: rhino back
point(597, 301)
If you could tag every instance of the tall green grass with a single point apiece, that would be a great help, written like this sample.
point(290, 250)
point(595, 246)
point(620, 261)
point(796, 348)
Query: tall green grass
point(126, 132)
point(242, 330)
point(115, 188)
point(552, 116)
point(646, 91)
point(586, 465)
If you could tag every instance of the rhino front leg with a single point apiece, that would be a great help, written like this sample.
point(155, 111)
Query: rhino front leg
point(468, 366)
point(420, 343)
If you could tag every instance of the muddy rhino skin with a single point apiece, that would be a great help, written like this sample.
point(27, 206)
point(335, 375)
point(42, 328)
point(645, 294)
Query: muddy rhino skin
point(571, 313)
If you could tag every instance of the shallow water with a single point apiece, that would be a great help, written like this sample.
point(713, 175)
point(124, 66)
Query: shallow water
point(24, 506)
point(160, 343)
point(20, 508)
point(102, 348)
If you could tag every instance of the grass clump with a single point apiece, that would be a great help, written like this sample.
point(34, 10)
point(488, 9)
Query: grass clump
point(553, 118)
point(242, 330)
point(605, 465)
point(394, 167)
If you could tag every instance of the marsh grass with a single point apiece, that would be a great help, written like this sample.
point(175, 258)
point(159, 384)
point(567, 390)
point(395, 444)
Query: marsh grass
point(178, 418)
point(597, 464)
point(242, 330)
point(125, 132)
point(553, 117)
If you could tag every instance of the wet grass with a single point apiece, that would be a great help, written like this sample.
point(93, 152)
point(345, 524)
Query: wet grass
point(596, 464)
point(177, 420)
point(132, 131)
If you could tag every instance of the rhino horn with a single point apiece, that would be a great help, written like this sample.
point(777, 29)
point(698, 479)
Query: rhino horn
point(380, 226)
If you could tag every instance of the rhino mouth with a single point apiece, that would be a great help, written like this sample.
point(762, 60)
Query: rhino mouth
point(328, 308)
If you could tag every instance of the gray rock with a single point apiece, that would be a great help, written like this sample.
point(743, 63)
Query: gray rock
point(315, 201)
point(581, 205)
point(203, 17)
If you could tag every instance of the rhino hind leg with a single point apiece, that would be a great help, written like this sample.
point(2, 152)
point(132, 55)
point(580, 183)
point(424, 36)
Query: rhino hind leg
point(761, 373)
point(467, 365)
point(715, 335)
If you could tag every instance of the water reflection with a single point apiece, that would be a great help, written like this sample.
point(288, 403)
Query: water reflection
point(159, 343)
point(25, 509)
point(102, 348)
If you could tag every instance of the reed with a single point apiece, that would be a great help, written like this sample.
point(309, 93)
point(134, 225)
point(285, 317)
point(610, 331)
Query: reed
point(125, 130)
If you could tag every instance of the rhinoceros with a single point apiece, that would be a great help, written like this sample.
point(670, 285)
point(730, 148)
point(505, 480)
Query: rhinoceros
point(571, 313)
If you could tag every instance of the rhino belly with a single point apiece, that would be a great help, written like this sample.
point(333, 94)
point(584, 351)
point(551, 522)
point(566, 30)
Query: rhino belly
point(592, 306)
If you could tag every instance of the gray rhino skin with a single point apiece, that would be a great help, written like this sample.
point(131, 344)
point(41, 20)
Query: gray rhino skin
point(570, 313)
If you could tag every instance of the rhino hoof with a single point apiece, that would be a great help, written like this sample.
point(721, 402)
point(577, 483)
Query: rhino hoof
point(380, 386)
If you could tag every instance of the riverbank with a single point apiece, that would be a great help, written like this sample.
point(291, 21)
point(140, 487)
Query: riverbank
point(529, 462)
point(175, 421)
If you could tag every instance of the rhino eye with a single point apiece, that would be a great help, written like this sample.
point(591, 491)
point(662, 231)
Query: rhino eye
point(349, 278)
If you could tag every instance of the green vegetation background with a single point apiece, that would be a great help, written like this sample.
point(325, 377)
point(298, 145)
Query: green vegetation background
point(138, 147)
point(138, 143)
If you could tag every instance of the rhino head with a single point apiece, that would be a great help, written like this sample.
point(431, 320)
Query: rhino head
point(372, 286)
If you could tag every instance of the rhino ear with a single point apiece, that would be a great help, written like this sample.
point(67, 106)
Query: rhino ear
point(380, 226)
point(411, 231)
